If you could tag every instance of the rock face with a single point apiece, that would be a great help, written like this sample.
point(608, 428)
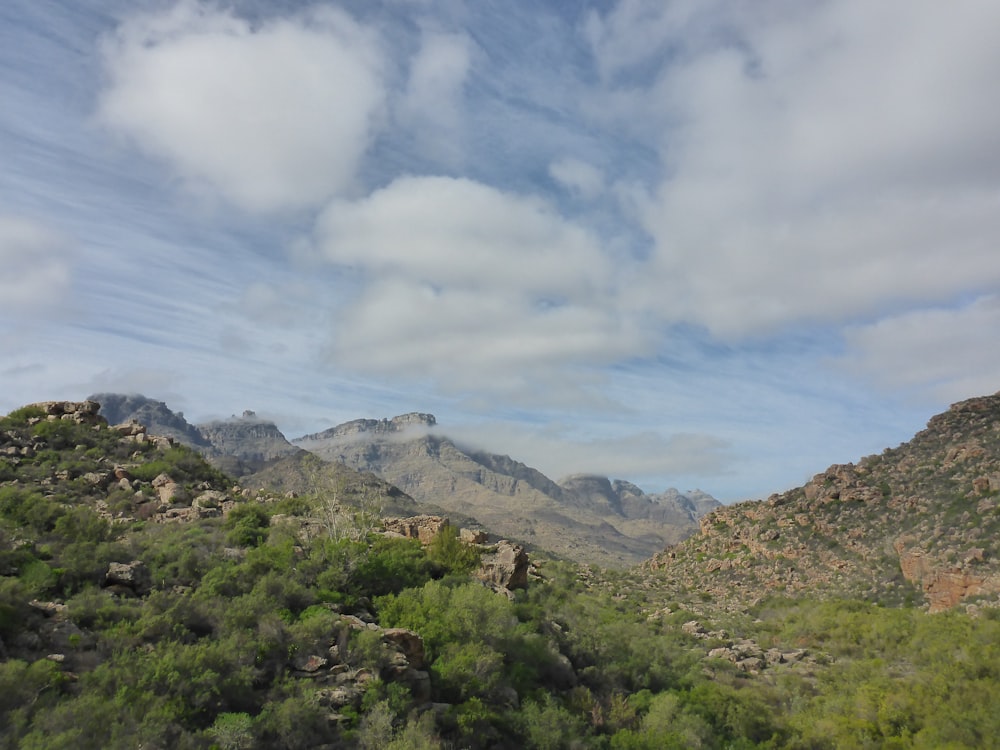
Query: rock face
point(915, 523)
point(422, 528)
point(249, 442)
point(504, 565)
point(589, 519)
point(367, 427)
point(158, 419)
point(240, 445)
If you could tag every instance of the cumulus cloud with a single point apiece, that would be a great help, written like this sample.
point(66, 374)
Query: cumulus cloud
point(472, 286)
point(947, 353)
point(826, 163)
point(35, 267)
point(274, 116)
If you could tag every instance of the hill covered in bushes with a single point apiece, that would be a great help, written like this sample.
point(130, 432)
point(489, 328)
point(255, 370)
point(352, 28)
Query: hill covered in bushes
point(145, 600)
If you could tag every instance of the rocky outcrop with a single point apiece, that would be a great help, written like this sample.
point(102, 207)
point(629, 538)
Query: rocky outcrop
point(422, 528)
point(132, 577)
point(242, 445)
point(370, 427)
point(339, 685)
point(915, 524)
point(504, 565)
point(120, 408)
point(945, 585)
point(745, 653)
point(81, 412)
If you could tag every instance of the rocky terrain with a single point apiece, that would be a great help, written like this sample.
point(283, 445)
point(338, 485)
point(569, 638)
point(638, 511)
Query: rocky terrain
point(148, 600)
point(583, 518)
point(917, 523)
point(238, 445)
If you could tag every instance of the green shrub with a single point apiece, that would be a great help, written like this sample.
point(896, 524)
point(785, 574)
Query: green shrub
point(451, 553)
point(248, 525)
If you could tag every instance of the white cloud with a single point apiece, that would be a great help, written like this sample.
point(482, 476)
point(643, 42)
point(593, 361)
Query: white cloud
point(472, 287)
point(35, 267)
point(275, 116)
point(578, 177)
point(443, 232)
point(431, 107)
point(558, 454)
point(826, 163)
point(948, 353)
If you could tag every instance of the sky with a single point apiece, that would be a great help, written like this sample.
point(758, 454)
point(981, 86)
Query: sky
point(686, 243)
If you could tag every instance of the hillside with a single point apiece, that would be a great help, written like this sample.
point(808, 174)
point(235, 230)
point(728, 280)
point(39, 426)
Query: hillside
point(583, 518)
point(148, 601)
point(917, 523)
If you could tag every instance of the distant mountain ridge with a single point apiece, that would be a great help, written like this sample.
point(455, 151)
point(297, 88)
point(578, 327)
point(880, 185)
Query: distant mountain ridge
point(238, 446)
point(586, 518)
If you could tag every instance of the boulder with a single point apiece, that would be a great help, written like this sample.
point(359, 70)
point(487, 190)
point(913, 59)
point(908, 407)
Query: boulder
point(505, 566)
point(133, 575)
point(170, 492)
point(407, 643)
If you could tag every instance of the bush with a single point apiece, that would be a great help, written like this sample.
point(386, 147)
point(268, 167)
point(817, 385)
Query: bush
point(248, 525)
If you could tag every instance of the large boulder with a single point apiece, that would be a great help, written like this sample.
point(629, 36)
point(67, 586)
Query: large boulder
point(504, 565)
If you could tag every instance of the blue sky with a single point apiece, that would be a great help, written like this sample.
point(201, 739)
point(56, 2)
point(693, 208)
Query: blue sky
point(695, 244)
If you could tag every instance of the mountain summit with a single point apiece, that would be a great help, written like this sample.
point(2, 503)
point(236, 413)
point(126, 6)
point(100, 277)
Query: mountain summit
point(584, 518)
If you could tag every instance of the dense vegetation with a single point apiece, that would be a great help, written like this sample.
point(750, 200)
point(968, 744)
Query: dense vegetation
point(259, 628)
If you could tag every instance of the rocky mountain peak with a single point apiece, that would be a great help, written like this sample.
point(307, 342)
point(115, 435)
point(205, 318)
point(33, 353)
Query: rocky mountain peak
point(158, 418)
point(372, 428)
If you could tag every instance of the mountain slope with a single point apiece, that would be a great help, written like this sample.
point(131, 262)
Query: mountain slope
point(915, 523)
point(582, 518)
point(238, 446)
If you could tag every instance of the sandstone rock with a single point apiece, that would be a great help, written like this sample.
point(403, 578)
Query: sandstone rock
point(407, 643)
point(211, 499)
point(309, 663)
point(505, 566)
point(131, 428)
point(170, 492)
point(81, 412)
point(424, 528)
point(473, 536)
point(133, 575)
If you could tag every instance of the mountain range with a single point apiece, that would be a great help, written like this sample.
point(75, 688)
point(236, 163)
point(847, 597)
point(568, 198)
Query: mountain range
point(586, 518)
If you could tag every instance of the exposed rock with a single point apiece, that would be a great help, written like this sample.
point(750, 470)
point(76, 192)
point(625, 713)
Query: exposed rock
point(133, 575)
point(424, 528)
point(159, 420)
point(244, 444)
point(407, 643)
point(81, 412)
point(506, 496)
point(504, 565)
point(169, 491)
point(913, 522)
point(473, 536)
